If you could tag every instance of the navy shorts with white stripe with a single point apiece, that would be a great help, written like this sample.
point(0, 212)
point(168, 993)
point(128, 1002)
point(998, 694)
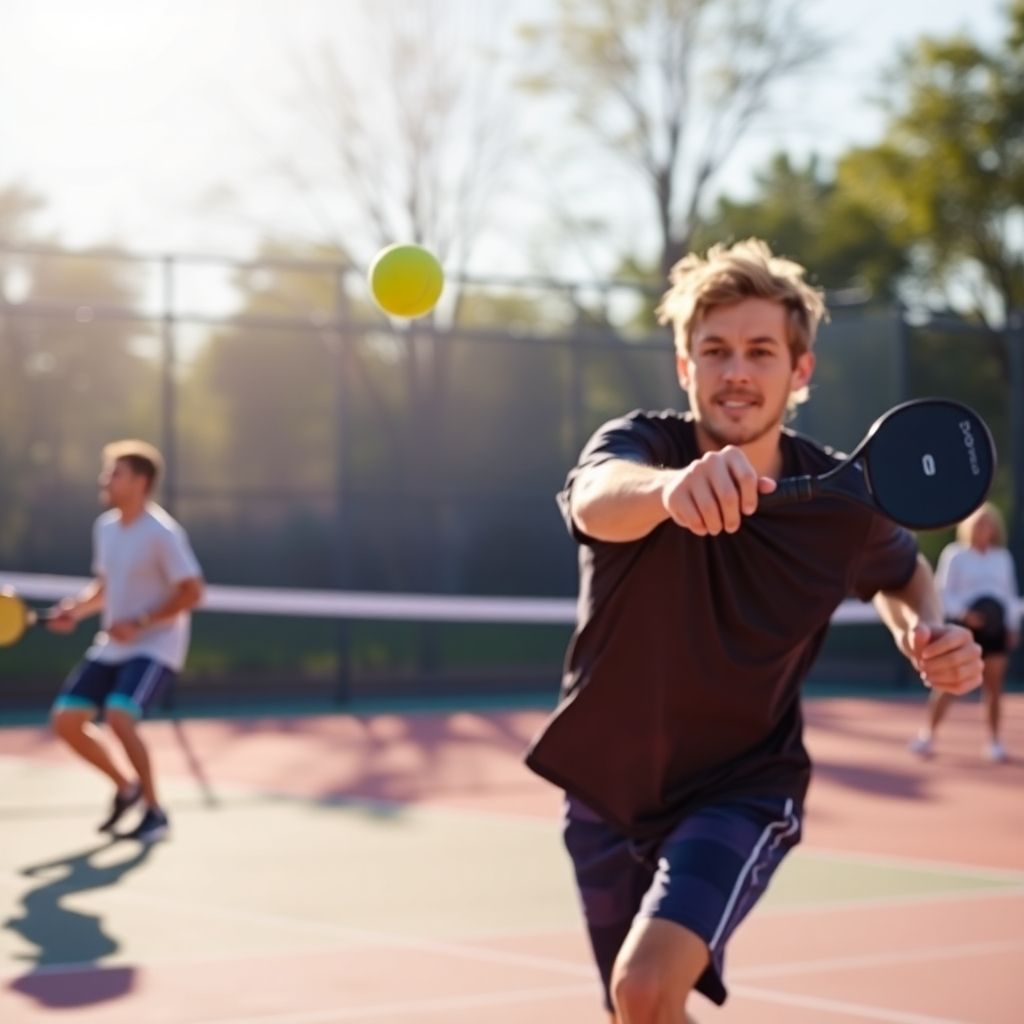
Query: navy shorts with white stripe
point(706, 875)
point(133, 686)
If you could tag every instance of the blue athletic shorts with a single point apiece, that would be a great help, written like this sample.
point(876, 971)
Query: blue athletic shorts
point(131, 686)
point(705, 875)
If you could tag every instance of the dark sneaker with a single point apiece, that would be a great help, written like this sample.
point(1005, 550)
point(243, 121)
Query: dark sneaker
point(121, 804)
point(153, 827)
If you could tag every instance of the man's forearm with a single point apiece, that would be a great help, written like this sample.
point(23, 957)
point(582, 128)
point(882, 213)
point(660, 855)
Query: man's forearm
point(88, 601)
point(619, 501)
point(186, 596)
point(917, 601)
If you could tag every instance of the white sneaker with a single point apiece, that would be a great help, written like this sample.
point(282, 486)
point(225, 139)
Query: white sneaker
point(921, 745)
point(996, 752)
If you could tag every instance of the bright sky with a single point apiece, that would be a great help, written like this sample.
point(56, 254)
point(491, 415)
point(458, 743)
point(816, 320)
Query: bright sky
point(125, 114)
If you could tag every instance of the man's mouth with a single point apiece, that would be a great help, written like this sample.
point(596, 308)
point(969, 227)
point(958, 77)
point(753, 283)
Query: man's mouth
point(737, 403)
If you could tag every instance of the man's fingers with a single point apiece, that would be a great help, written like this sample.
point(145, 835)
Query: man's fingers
point(942, 642)
point(745, 478)
point(707, 502)
point(953, 663)
point(727, 482)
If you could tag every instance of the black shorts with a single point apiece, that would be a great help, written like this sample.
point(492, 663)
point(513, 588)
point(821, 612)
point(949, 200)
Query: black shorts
point(991, 635)
point(132, 686)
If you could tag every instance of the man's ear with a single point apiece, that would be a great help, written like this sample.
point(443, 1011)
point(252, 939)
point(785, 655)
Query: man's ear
point(683, 371)
point(803, 370)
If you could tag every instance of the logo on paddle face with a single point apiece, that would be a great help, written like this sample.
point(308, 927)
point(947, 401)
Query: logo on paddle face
point(928, 464)
point(972, 449)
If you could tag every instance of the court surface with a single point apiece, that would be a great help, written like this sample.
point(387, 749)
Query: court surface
point(406, 868)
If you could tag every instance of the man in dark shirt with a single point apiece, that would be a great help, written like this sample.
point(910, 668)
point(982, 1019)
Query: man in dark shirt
point(678, 739)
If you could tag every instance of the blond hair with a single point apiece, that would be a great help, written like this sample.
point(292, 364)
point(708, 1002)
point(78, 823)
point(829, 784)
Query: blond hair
point(143, 458)
point(966, 527)
point(730, 274)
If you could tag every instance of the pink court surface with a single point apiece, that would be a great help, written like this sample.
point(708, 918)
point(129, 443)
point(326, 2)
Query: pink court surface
point(407, 868)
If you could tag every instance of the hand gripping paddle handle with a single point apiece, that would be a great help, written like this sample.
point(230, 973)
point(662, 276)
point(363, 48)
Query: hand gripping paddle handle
point(788, 490)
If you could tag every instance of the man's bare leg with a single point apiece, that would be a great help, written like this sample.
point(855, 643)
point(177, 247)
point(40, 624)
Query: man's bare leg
point(655, 972)
point(126, 729)
point(76, 728)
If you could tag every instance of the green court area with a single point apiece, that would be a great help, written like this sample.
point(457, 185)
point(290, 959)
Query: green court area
point(250, 873)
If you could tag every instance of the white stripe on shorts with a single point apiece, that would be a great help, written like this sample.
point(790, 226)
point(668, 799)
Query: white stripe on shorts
point(780, 829)
point(149, 679)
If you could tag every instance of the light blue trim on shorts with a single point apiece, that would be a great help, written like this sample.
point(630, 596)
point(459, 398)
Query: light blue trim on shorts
point(122, 702)
point(74, 703)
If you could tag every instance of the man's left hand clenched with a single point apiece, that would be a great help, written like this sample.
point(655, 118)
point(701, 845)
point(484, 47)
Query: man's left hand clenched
point(946, 657)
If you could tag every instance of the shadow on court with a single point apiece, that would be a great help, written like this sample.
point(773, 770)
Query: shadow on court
point(66, 937)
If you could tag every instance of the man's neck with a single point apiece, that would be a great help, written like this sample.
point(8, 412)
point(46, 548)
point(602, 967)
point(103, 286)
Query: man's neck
point(765, 453)
point(130, 513)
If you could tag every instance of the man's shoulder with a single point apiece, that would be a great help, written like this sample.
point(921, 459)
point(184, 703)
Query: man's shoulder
point(663, 421)
point(816, 455)
point(664, 437)
point(107, 519)
point(160, 520)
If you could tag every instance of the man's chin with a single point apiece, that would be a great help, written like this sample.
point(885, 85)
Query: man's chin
point(729, 432)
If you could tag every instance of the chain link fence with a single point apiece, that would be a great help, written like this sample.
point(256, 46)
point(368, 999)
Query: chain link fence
point(312, 443)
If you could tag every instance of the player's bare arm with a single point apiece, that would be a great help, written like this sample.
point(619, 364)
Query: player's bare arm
point(621, 501)
point(945, 655)
point(69, 611)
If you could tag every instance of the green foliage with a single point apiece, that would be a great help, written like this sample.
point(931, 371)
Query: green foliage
point(948, 178)
point(74, 378)
point(803, 214)
point(668, 87)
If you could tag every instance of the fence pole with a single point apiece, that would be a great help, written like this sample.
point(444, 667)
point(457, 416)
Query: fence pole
point(343, 340)
point(168, 387)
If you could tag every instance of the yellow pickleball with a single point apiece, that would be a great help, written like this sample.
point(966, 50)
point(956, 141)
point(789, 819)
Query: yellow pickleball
point(406, 280)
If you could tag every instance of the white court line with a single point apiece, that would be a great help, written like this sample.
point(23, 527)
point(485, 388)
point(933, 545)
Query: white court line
point(884, 902)
point(416, 1006)
point(552, 824)
point(914, 863)
point(765, 995)
point(552, 966)
point(922, 899)
point(905, 956)
point(439, 947)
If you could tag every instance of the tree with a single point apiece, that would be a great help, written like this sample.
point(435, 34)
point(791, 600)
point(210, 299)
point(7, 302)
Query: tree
point(669, 87)
point(404, 130)
point(948, 178)
point(76, 370)
point(803, 213)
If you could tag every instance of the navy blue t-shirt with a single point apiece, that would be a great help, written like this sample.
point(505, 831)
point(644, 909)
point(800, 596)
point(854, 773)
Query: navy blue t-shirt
point(682, 680)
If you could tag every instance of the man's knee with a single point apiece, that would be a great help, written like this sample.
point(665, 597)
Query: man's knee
point(638, 992)
point(657, 968)
point(121, 723)
point(69, 722)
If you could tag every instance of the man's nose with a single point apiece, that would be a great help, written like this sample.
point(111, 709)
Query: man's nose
point(735, 368)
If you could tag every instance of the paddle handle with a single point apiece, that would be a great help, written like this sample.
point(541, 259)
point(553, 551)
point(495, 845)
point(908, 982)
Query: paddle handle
point(788, 490)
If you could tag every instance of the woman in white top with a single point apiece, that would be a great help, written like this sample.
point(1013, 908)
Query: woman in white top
point(976, 577)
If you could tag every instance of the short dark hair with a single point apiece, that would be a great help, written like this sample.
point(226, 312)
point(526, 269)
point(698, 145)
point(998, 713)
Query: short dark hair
point(141, 457)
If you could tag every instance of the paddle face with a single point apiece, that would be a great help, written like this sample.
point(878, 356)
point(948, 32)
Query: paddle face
point(928, 463)
point(14, 618)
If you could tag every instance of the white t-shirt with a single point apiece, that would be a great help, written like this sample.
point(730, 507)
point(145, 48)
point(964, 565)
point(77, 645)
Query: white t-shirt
point(964, 574)
point(141, 564)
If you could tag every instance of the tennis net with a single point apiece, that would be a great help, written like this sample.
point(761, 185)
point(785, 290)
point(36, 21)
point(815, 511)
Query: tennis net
point(253, 644)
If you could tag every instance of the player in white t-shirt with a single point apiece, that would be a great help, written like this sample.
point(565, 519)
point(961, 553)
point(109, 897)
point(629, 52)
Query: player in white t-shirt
point(146, 581)
point(978, 582)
